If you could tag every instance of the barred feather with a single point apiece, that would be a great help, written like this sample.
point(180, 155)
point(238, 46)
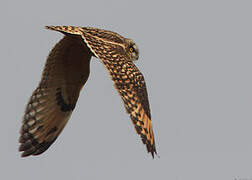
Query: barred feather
point(128, 80)
point(52, 103)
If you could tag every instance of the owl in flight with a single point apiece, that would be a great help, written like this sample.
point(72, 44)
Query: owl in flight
point(65, 73)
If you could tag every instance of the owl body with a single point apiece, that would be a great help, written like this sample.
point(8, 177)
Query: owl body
point(65, 73)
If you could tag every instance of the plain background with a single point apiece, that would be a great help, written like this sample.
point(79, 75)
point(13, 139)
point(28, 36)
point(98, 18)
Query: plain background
point(196, 59)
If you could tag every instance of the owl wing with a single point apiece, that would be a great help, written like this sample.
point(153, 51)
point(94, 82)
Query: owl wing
point(51, 104)
point(128, 80)
point(131, 86)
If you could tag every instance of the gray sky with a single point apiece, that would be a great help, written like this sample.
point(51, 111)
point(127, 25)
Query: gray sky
point(196, 59)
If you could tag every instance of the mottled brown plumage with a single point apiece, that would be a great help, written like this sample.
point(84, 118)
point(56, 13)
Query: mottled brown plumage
point(65, 73)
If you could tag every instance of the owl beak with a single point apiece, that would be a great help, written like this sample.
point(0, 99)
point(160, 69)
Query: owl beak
point(135, 57)
point(137, 54)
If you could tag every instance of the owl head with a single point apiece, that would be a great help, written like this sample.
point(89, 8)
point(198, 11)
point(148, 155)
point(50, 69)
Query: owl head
point(132, 50)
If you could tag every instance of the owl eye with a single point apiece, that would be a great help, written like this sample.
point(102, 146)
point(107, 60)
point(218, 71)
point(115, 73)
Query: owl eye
point(131, 49)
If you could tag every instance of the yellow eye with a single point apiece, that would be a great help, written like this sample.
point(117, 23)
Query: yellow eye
point(131, 49)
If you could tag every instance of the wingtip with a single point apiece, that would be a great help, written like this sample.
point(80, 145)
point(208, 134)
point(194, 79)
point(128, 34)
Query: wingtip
point(65, 29)
point(56, 28)
point(50, 27)
point(152, 150)
point(154, 154)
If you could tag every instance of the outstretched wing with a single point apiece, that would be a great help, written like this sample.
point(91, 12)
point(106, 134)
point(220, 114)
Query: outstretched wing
point(51, 104)
point(128, 80)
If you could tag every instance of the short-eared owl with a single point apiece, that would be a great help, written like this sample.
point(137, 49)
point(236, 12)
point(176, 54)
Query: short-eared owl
point(67, 70)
